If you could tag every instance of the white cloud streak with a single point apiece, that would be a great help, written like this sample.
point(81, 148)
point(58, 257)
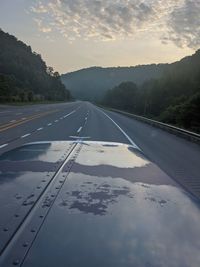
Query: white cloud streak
point(172, 20)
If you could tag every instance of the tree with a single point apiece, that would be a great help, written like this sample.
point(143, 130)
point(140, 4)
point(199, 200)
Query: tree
point(23, 73)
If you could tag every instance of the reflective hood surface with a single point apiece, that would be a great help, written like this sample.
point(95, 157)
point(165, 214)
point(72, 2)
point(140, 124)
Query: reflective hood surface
point(113, 207)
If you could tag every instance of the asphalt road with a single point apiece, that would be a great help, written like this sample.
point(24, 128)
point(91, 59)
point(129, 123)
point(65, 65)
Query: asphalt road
point(177, 157)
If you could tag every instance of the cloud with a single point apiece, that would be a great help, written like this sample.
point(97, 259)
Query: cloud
point(173, 20)
point(41, 28)
point(45, 29)
point(184, 25)
point(39, 9)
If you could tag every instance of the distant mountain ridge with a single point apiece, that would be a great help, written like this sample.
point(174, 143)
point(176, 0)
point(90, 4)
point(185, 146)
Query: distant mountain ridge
point(92, 83)
point(174, 98)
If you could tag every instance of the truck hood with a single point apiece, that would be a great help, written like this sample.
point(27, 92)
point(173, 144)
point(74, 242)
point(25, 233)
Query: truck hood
point(93, 204)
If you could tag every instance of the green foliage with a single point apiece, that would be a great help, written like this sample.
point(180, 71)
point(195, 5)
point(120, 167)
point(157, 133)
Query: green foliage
point(186, 114)
point(174, 98)
point(123, 96)
point(24, 76)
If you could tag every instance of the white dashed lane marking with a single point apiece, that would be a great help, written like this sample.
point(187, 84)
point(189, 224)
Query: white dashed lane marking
point(69, 113)
point(39, 129)
point(1, 146)
point(78, 131)
point(23, 136)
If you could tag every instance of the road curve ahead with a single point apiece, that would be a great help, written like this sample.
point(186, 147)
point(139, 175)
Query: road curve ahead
point(177, 157)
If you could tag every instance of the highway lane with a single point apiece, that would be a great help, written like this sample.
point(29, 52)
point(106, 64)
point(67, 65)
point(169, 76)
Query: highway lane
point(11, 114)
point(179, 158)
point(14, 114)
point(33, 123)
point(71, 119)
point(176, 156)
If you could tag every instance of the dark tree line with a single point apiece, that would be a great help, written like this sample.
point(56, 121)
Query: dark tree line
point(174, 98)
point(24, 76)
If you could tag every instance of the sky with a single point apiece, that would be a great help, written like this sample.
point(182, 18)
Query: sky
point(75, 34)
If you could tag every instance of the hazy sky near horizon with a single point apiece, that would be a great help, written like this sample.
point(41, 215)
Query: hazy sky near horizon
point(74, 34)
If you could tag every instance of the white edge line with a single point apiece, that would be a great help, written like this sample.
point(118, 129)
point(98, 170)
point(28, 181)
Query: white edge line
point(23, 136)
point(3, 145)
point(125, 134)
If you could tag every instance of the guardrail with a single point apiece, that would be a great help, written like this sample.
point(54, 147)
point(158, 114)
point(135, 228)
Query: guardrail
point(191, 136)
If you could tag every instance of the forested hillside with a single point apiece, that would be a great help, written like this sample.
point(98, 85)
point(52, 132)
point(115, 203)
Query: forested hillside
point(173, 98)
point(24, 76)
point(92, 83)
